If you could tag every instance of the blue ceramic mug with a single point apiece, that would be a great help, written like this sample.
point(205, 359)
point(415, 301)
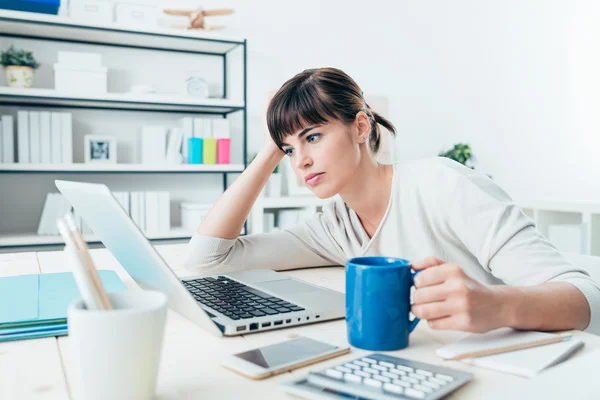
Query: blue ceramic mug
point(378, 303)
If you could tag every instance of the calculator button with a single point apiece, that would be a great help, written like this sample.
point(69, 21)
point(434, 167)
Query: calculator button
point(411, 380)
point(369, 360)
point(370, 370)
point(382, 378)
point(343, 369)
point(423, 388)
point(397, 371)
point(388, 387)
point(363, 374)
point(430, 384)
point(352, 378)
point(386, 364)
point(402, 383)
point(390, 375)
point(422, 372)
point(361, 363)
point(417, 376)
point(373, 383)
point(438, 381)
point(444, 377)
point(334, 374)
point(417, 394)
point(352, 366)
point(378, 367)
point(403, 368)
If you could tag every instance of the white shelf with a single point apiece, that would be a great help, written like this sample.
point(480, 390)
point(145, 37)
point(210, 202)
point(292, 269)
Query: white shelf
point(119, 101)
point(55, 27)
point(80, 167)
point(32, 239)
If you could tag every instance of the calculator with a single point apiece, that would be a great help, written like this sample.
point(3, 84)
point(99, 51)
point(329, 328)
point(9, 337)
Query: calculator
point(379, 376)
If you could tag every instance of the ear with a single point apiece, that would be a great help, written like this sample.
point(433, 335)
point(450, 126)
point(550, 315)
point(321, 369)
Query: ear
point(364, 127)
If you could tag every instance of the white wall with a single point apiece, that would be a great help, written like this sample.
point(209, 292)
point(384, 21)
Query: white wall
point(519, 80)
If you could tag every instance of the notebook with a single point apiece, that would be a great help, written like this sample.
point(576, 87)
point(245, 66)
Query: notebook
point(526, 362)
point(36, 305)
point(575, 379)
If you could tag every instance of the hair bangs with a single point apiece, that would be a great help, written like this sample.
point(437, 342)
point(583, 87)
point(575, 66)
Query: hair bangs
point(297, 109)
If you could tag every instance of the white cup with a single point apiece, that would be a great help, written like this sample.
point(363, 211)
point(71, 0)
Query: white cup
point(118, 351)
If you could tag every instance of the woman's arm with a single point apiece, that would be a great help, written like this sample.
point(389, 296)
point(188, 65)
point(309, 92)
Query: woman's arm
point(545, 291)
point(226, 218)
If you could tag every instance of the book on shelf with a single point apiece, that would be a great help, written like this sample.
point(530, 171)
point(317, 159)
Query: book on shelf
point(55, 206)
point(44, 137)
point(7, 141)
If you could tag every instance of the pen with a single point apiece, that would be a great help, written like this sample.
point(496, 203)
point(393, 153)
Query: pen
point(87, 261)
point(83, 280)
point(518, 346)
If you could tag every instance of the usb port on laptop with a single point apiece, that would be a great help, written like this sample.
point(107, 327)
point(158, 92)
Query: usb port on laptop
point(266, 324)
point(277, 323)
point(241, 328)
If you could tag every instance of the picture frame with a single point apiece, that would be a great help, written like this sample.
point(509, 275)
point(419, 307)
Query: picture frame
point(100, 149)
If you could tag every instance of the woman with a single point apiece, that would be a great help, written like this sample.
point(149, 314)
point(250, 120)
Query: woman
point(485, 266)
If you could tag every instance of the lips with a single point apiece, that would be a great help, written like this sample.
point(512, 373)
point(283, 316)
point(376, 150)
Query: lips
point(310, 176)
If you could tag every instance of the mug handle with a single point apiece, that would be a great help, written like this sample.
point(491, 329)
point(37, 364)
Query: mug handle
point(413, 323)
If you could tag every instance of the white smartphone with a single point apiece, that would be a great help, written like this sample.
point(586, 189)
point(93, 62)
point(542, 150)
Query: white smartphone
point(282, 357)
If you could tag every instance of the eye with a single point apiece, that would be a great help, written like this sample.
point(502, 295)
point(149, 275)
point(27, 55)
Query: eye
point(288, 152)
point(313, 138)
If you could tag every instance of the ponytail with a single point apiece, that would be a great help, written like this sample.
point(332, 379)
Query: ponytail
point(375, 135)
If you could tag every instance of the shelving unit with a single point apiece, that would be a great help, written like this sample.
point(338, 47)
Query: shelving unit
point(105, 168)
point(227, 50)
point(305, 203)
point(583, 216)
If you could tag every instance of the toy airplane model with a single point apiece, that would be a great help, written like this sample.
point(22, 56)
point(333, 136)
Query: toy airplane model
point(197, 17)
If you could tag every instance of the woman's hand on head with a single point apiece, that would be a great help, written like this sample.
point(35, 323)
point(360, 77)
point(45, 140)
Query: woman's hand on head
point(450, 300)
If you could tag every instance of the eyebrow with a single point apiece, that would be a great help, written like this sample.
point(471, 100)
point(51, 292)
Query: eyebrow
point(304, 132)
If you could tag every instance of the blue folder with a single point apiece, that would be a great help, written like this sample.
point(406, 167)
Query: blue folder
point(36, 305)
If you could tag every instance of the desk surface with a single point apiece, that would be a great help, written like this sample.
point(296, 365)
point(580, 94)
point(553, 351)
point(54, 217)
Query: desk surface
point(190, 366)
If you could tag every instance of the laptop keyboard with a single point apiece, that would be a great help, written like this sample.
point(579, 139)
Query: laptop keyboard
point(236, 300)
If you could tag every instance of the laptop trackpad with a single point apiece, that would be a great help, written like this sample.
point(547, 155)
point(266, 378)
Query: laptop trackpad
point(286, 287)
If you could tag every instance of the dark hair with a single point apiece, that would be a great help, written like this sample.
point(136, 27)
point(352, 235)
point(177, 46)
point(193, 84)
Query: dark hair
point(318, 96)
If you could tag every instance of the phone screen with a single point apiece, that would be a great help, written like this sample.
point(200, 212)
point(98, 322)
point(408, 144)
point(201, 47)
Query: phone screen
point(286, 352)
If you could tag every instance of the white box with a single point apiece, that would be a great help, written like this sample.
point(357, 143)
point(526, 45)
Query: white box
point(80, 59)
point(93, 11)
point(136, 14)
point(192, 214)
point(80, 80)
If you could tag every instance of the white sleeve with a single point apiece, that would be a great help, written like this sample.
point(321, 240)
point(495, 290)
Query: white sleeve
point(307, 244)
point(505, 241)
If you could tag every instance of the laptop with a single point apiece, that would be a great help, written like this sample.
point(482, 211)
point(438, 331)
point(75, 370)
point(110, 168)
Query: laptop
point(227, 304)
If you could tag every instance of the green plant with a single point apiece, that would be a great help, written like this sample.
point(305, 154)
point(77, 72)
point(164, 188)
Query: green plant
point(17, 57)
point(460, 152)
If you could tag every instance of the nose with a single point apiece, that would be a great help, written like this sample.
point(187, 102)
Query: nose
point(303, 160)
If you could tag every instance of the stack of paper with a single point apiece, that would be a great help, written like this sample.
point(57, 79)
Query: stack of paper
point(36, 305)
point(526, 362)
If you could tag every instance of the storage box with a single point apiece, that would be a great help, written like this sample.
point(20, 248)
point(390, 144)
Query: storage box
point(80, 80)
point(136, 14)
point(38, 6)
point(192, 214)
point(94, 11)
point(80, 59)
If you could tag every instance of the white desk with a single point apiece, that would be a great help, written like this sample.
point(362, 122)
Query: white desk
point(190, 366)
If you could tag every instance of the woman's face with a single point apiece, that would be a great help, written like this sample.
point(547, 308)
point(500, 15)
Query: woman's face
point(325, 157)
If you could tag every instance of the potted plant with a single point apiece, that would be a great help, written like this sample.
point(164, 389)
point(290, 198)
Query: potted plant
point(461, 153)
point(19, 66)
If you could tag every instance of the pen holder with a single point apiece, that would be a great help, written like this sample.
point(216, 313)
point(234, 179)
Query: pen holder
point(118, 351)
